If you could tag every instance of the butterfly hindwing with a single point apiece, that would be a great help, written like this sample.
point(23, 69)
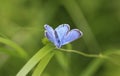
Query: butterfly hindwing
point(71, 36)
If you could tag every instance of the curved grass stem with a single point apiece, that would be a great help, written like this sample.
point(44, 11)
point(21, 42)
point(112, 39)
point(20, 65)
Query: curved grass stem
point(84, 54)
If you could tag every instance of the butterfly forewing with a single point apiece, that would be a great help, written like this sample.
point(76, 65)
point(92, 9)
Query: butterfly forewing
point(71, 36)
point(50, 34)
point(62, 30)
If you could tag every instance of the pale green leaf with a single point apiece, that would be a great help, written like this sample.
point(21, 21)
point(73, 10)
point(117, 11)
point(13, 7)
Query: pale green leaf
point(35, 59)
point(21, 52)
point(42, 65)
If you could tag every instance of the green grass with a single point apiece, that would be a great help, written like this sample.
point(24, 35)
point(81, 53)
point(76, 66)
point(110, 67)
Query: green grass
point(23, 44)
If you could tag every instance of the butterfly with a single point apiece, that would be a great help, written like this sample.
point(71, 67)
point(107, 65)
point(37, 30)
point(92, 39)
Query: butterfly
point(62, 34)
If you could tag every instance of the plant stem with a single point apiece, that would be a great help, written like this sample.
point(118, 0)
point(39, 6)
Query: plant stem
point(84, 54)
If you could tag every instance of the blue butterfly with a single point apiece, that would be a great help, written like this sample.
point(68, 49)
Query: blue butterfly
point(62, 34)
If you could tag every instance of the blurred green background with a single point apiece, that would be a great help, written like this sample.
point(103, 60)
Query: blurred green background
point(22, 22)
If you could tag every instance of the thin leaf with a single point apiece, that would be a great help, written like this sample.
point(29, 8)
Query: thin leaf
point(21, 52)
point(35, 59)
point(42, 65)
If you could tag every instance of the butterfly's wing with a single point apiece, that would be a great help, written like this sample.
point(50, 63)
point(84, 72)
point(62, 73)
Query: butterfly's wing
point(61, 31)
point(50, 34)
point(71, 36)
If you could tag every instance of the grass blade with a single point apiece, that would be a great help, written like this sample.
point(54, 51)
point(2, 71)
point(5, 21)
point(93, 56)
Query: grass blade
point(35, 59)
point(21, 52)
point(42, 65)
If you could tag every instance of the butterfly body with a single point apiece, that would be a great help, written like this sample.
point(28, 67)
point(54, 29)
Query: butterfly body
point(62, 34)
